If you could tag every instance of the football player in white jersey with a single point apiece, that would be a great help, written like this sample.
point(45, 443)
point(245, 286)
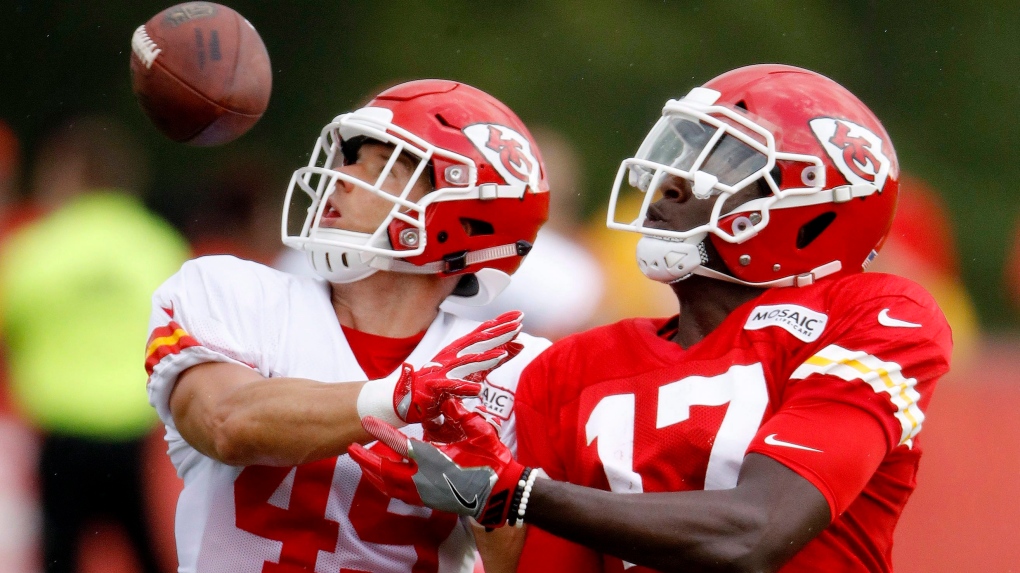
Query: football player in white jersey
point(433, 191)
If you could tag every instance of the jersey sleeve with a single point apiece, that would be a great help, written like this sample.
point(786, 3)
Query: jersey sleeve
point(539, 434)
point(198, 316)
point(860, 394)
point(499, 390)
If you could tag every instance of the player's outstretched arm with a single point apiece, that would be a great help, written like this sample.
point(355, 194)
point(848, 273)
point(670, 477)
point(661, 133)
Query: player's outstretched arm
point(235, 415)
point(756, 526)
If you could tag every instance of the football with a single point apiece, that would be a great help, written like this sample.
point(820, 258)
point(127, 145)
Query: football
point(201, 73)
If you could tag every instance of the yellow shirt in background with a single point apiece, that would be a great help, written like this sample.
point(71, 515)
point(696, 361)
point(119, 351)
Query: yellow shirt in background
point(75, 291)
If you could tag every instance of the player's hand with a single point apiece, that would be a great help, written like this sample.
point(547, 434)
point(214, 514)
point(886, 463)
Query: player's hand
point(476, 477)
point(457, 370)
point(438, 430)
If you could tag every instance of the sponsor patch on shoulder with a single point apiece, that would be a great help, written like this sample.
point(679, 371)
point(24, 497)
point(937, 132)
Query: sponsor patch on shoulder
point(497, 401)
point(799, 321)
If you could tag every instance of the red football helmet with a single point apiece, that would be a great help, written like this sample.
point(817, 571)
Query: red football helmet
point(826, 166)
point(489, 197)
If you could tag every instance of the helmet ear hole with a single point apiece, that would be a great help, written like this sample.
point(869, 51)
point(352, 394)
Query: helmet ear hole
point(813, 228)
point(442, 120)
point(476, 227)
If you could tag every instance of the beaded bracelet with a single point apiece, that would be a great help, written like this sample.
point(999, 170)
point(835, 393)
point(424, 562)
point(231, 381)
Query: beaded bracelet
point(525, 496)
point(515, 502)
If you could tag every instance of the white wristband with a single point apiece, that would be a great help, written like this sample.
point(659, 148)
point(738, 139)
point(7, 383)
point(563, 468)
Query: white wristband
point(376, 399)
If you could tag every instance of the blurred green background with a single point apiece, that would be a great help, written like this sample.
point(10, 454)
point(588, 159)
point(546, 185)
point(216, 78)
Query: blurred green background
point(941, 75)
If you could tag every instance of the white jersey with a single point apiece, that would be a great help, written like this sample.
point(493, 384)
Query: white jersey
point(318, 516)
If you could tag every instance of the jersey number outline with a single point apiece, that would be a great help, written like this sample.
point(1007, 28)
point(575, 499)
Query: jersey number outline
point(304, 530)
point(742, 387)
point(612, 422)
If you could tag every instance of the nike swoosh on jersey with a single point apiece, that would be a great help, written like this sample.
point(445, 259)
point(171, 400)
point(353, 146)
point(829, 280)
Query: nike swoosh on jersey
point(885, 320)
point(472, 504)
point(772, 441)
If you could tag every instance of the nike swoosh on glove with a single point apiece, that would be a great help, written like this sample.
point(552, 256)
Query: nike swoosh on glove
point(474, 477)
point(456, 370)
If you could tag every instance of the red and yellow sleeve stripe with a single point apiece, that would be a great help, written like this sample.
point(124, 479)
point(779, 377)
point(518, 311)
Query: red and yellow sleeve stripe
point(883, 377)
point(164, 341)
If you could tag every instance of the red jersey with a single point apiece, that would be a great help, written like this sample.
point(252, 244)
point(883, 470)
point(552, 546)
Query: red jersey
point(831, 380)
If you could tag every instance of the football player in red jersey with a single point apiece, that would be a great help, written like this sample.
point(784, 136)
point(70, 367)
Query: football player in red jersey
point(432, 190)
point(773, 423)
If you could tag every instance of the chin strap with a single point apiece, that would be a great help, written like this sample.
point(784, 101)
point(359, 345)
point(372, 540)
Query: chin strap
point(348, 265)
point(455, 261)
point(673, 261)
point(361, 263)
point(800, 280)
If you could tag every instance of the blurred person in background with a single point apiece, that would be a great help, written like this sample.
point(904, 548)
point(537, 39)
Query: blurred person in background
point(236, 211)
point(1011, 269)
point(18, 444)
point(939, 530)
point(15, 208)
point(10, 163)
point(10, 173)
point(74, 295)
point(432, 190)
point(626, 293)
point(921, 246)
point(560, 285)
point(772, 422)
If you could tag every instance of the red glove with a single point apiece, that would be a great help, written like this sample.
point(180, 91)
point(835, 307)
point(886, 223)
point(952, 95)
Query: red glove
point(476, 476)
point(457, 370)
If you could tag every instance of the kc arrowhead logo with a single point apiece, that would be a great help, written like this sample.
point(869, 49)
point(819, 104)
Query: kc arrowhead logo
point(508, 151)
point(857, 151)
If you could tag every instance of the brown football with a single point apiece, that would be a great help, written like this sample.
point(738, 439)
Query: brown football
point(201, 73)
